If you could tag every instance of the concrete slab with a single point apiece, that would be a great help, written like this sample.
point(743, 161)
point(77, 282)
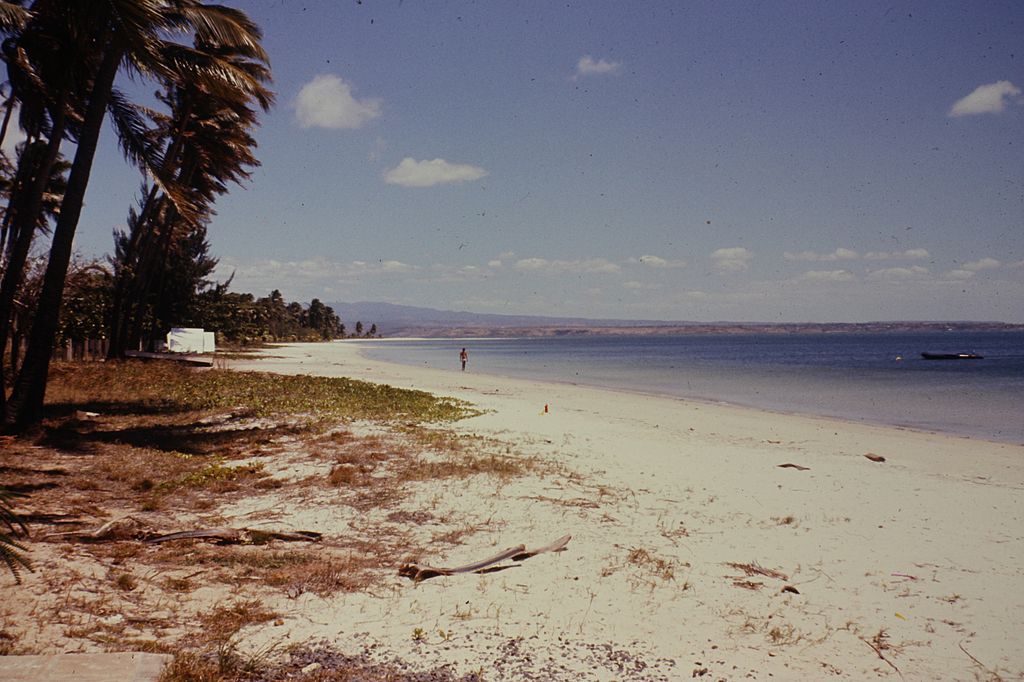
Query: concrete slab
point(120, 667)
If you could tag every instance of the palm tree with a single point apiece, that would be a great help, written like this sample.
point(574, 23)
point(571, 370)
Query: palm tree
point(46, 114)
point(36, 169)
point(219, 152)
point(122, 34)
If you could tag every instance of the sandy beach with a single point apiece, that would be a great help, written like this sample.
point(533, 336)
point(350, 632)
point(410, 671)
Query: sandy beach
point(695, 553)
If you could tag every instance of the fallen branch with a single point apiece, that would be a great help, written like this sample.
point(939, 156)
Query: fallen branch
point(125, 528)
point(239, 536)
point(790, 465)
point(980, 664)
point(556, 546)
point(879, 652)
point(129, 528)
point(419, 573)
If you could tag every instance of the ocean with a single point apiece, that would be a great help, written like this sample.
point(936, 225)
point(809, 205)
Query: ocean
point(869, 377)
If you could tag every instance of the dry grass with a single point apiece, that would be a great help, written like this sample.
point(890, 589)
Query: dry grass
point(753, 568)
point(322, 571)
point(220, 623)
point(647, 568)
point(163, 449)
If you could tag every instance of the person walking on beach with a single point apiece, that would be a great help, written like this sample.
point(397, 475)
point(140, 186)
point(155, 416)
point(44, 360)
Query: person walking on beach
point(463, 357)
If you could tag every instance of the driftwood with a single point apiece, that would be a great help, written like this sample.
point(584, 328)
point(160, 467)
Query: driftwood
point(421, 572)
point(556, 546)
point(239, 536)
point(129, 528)
point(789, 465)
point(125, 528)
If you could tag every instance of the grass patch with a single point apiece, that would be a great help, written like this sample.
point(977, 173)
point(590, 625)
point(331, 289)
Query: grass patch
point(161, 444)
point(163, 387)
point(295, 571)
point(221, 623)
point(218, 477)
point(647, 568)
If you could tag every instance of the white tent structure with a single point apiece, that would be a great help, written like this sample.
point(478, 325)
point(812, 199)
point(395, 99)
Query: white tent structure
point(191, 340)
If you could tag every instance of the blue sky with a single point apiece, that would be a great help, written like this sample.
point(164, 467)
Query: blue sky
point(777, 161)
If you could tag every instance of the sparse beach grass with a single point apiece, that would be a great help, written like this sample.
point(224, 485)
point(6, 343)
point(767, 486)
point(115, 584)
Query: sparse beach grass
point(162, 448)
point(166, 387)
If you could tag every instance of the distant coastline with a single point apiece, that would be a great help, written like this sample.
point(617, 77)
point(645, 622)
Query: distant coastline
point(681, 329)
point(404, 321)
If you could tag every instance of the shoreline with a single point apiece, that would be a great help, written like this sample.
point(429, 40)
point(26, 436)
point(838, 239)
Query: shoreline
point(713, 402)
point(895, 564)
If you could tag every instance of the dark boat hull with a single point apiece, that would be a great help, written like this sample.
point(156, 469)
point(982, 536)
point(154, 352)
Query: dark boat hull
point(951, 356)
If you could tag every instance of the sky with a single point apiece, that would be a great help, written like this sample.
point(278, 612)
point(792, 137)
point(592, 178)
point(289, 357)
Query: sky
point(746, 161)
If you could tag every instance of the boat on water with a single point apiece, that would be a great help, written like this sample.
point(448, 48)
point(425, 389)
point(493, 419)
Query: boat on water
point(952, 356)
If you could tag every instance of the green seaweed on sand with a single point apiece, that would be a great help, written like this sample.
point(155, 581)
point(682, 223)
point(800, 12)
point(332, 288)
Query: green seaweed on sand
point(168, 387)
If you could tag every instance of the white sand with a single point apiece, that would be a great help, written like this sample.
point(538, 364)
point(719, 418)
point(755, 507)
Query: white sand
point(926, 546)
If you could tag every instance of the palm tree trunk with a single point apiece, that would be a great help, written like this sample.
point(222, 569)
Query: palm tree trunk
point(148, 270)
point(23, 227)
point(26, 404)
point(122, 328)
point(126, 275)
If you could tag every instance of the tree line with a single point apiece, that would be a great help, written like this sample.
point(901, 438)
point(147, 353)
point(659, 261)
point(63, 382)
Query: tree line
point(64, 61)
point(239, 319)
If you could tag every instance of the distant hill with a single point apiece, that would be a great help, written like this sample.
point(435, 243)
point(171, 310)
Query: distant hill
point(401, 320)
point(394, 319)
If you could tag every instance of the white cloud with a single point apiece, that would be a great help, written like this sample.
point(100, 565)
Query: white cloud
point(457, 273)
point(394, 266)
point(494, 263)
point(914, 271)
point(315, 269)
point(986, 99)
point(657, 262)
point(828, 276)
point(586, 66)
point(959, 274)
point(838, 254)
point(909, 254)
point(327, 102)
point(982, 264)
point(592, 265)
point(732, 259)
point(413, 173)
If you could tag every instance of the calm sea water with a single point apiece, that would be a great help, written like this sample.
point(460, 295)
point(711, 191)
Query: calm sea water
point(852, 376)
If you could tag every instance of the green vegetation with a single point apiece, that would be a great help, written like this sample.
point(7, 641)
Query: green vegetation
point(64, 62)
point(101, 386)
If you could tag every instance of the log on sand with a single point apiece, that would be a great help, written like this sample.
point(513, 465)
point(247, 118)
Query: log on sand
point(421, 572)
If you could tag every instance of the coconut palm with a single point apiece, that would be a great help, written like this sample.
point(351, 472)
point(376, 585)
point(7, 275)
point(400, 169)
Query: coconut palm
point(219, 152)
point(34, 159)
point(130, 35)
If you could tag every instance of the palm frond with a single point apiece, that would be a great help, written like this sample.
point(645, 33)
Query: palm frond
point(12, 16)
point(132, 133)
point(224, 26)
point(11, 551)
point(222, 78)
